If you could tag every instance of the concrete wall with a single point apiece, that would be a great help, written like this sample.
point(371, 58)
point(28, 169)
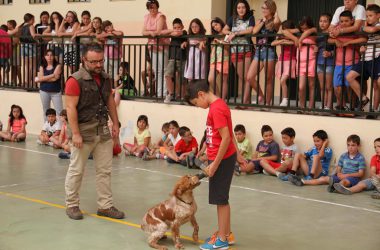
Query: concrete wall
point(195, 118)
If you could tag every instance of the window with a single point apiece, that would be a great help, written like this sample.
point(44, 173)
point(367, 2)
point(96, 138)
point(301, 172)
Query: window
point(78, 1)
point(5, 2)
point(38, 1)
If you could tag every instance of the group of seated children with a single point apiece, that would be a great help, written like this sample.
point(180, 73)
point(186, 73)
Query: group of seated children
point(314, 165)
point(177, 145)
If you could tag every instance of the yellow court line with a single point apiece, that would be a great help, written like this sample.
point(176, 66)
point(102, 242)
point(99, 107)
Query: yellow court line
point(21, 197)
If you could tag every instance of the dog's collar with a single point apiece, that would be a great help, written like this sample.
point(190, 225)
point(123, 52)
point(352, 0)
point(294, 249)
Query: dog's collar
point(188, 203)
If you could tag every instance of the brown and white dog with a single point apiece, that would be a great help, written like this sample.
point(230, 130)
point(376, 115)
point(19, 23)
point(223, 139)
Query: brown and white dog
point(172, 213)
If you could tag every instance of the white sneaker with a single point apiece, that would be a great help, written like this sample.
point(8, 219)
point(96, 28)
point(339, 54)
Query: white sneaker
point(39, 142)
point(51, 144)
point(284, 102)
point(168, 98)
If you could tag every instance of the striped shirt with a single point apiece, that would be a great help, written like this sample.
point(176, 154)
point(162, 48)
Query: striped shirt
point(373, 43)
point(351, 165)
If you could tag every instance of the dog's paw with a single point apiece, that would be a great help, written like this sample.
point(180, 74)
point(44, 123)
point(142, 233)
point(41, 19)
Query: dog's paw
point(195, 237)
point(179, 246)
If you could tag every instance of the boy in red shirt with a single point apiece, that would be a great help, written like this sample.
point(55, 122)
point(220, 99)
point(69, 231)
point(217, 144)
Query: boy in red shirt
point(186, 145)
point(222, 155)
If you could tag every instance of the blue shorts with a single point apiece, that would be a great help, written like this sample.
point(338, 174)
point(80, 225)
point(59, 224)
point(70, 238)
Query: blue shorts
point(323, 173)
point(262, 52)
point(321, 69)
point(365, 68)
point(256, 166)
point(340, 76)
point(353, 180)
point(4, 62)
point(28, 49)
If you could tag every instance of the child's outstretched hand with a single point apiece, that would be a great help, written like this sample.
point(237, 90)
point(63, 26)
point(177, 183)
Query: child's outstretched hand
point(211, 169)
point(326, 53)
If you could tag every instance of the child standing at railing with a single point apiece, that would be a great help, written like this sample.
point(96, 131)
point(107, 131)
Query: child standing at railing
point(196, 60)
point(346, 56)
point(219, 59)
point(306, 59)
point(371, 60)
point(325, 62)
point(286, 64)
point(265, 54)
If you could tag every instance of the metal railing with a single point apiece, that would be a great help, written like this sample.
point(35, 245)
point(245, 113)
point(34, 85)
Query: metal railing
point(230, 74)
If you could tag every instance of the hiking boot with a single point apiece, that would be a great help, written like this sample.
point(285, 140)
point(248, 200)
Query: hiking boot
point(330, 187)
point(111, 212)
point(342, 189)
point(74, 213)
point(296, 180)
point(375, 195)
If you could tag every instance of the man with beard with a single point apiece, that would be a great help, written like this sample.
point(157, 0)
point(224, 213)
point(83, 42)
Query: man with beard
point(89, 102)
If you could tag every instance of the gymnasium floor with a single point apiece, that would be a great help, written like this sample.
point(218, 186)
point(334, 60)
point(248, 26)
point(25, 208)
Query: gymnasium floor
point(266, 213)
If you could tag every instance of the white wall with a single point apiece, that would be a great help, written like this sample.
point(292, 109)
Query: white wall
point(338, 129)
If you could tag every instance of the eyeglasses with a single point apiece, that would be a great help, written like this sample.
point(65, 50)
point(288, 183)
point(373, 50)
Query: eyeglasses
point(94, 62)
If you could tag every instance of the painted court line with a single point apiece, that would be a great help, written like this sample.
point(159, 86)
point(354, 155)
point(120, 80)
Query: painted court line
point(25, 198)
point(232, 186)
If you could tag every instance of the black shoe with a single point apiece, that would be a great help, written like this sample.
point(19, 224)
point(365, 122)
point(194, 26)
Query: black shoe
point(296, 180)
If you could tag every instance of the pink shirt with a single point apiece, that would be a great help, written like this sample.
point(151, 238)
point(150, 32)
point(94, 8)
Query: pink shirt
point(307, 51)
point(150, 24)
point(289, 52)
point(17, 125)
point(5, 45)
point(350, 50)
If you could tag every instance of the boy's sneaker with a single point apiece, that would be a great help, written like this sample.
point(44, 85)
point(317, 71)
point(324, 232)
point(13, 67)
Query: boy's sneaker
point(111, 212)
point(230, 238)
point(308, 178)
point(284, 102)
point(375, 195)
point(169, 98)
point(342, 189)
point(283, 176)
point(376, 182)
point(64, 155)
point(51, 144)
point(237, 169)
point(330, 187)
point(74, 213)
point(265, 172)
point(214, 243)
point(296, 180)
point(39, 142)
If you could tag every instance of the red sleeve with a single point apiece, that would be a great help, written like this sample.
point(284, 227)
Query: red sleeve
point(72, 87)
point(179, 146)
point(194, 144)
point(219, 117)
point(373, 161)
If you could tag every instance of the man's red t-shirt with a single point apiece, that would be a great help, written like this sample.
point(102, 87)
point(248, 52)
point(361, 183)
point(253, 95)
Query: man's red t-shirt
point(72, 86)
point(375, 162)
point(219, 116)
point(181, 146)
